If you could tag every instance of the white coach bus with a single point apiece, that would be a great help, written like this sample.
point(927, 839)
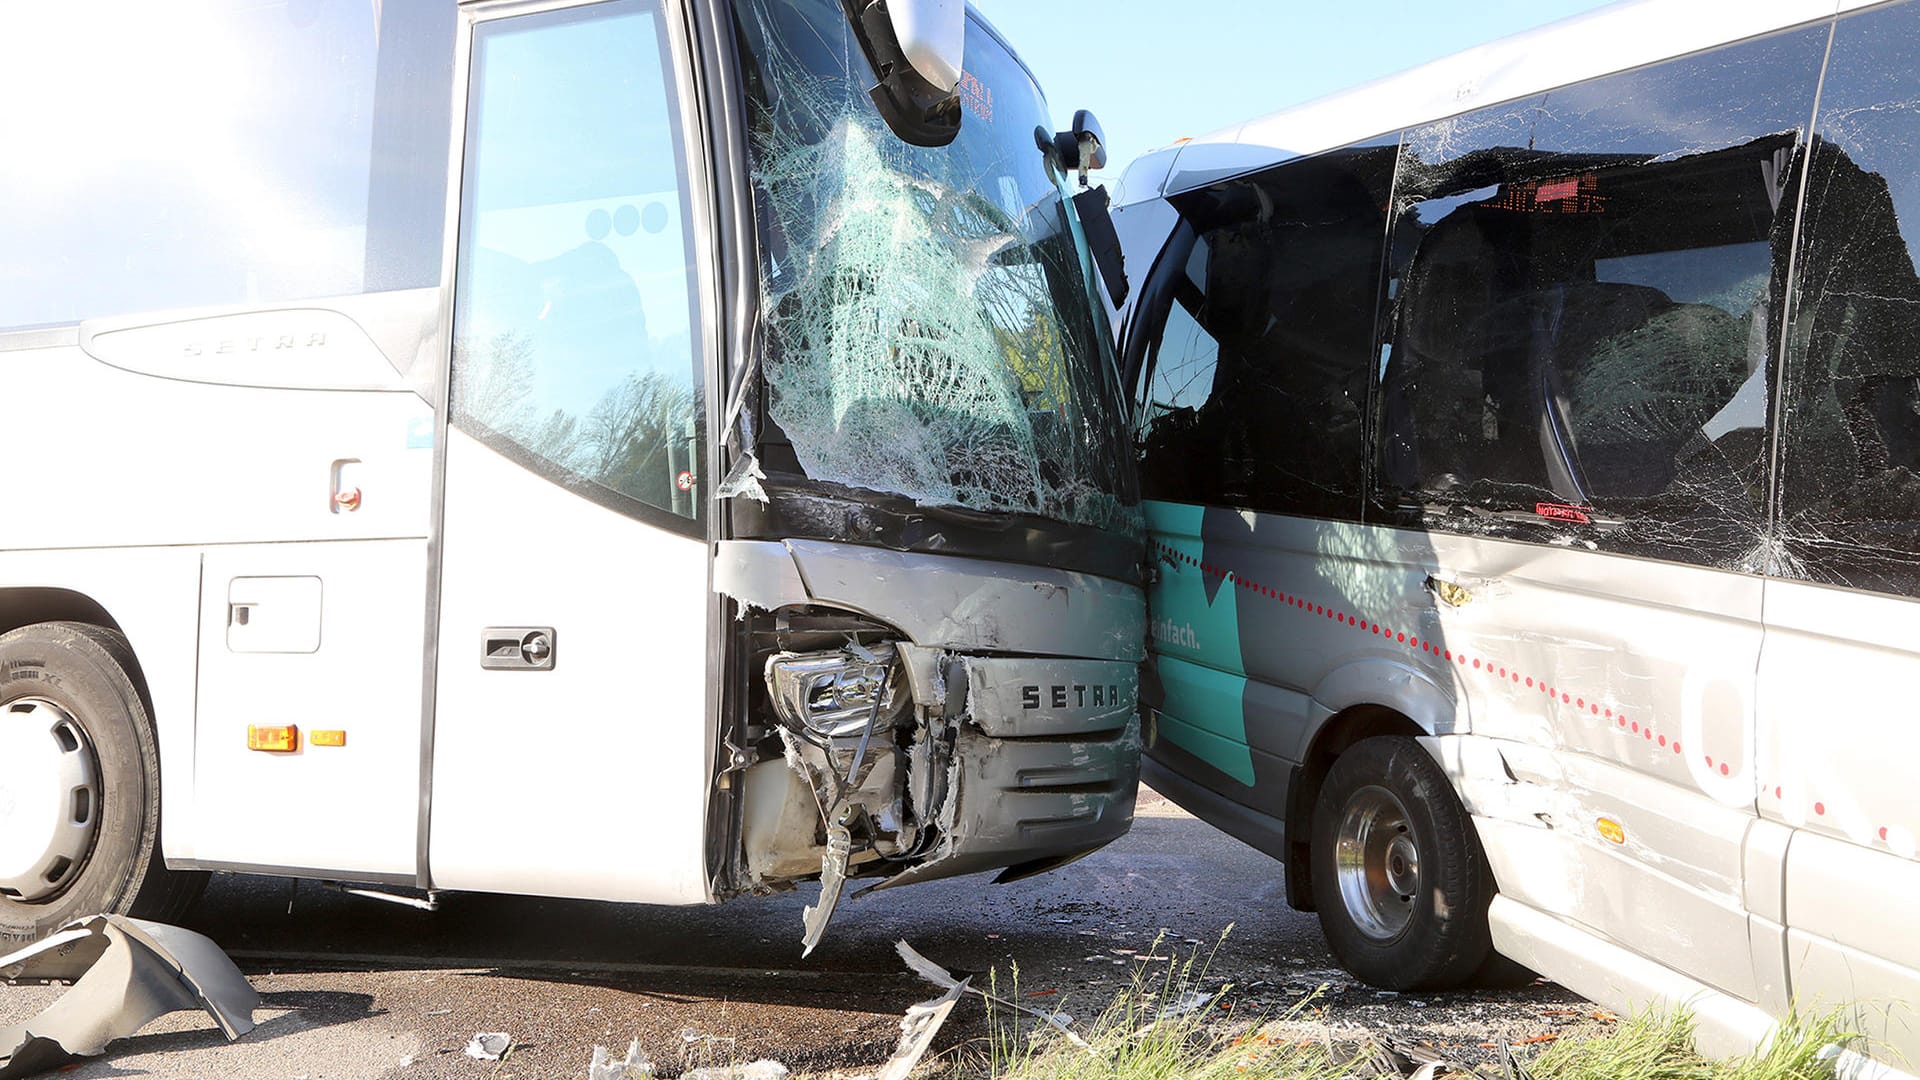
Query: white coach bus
point(1531, 459)
point(651, 450)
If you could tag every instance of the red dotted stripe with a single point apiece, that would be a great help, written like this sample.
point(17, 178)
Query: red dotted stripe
point(1617, 722)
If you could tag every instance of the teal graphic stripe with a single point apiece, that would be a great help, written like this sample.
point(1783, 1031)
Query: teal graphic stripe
point(1197, 639)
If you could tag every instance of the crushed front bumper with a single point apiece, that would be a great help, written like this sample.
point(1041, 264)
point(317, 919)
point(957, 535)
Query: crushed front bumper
point(1043, 771)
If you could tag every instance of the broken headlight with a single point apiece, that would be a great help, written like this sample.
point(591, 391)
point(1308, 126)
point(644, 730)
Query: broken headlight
point(836, 693)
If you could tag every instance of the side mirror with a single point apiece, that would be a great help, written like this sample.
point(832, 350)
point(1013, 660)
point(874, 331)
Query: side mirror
point(915, 48)
point(1084, 146)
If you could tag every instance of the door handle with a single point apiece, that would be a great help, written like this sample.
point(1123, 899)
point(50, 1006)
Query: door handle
point(517, 648)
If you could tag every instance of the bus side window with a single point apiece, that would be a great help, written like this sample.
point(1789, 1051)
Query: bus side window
point(574, 317)
point(1604, 299)
point(1850, 463)
point(1439, 431)
point(203, 155)
point(1261, 371)
point(1178, 456)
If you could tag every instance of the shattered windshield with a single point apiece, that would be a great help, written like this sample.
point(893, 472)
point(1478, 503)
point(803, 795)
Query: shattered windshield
point(931, 329)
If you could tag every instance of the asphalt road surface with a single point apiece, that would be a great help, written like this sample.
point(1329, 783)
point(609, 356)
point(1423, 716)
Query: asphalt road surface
point(360, 988)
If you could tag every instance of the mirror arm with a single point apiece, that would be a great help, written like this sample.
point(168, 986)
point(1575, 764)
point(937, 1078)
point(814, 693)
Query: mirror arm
point(917, 111)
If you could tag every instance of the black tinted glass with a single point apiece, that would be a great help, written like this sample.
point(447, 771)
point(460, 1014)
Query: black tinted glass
point(1255, 389)
point(1850, 462)
point(1584, 289)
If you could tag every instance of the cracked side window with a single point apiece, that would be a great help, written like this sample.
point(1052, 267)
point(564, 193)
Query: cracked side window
point(1850, 457)
point(1258, 375)
point(1585, 300)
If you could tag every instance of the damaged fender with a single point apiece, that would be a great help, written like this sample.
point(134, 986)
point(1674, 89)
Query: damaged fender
point(125, 973)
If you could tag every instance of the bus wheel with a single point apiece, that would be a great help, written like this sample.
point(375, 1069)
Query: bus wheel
point(1399, 878)
point(79, 786)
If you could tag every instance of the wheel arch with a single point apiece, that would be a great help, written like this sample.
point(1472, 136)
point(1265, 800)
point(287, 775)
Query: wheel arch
point(1335, 736)
point(1362, 699)
point(25, 606)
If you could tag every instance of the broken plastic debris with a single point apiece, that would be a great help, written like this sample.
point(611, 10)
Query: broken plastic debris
point(833, 879)
point(125, 972)
point(763, 1069)
point(635, 1066)
point(743, 479)
point(917, 1029)
point(944, 979)
point(1191, 1001)
point(489, 1045)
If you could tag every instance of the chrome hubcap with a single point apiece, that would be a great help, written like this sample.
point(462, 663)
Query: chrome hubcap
point(49, 799)
point(1377, 863)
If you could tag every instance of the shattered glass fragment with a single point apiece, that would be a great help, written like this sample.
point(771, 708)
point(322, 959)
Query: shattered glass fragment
point(1586, 309)
point(1849, 470)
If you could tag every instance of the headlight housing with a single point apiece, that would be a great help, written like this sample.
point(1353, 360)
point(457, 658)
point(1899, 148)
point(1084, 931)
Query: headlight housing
point(834, 693)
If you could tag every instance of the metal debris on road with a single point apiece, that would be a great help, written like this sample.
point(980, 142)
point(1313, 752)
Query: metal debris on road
point(125, 973)
point(489, 1045)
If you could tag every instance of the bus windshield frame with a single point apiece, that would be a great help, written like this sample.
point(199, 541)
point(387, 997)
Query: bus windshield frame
point(932, 342)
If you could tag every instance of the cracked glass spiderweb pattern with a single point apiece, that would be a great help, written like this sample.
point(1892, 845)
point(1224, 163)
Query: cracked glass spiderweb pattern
point(929, 328)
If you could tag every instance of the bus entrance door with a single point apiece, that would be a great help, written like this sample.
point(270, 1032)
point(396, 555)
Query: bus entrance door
point(569, 748)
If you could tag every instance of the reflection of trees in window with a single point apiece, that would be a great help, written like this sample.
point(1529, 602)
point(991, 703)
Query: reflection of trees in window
point(1589, 330)
point(624, 443)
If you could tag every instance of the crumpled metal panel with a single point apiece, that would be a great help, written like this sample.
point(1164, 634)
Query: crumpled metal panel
point(974, 604)
point(126, 972)
point(1020, 805)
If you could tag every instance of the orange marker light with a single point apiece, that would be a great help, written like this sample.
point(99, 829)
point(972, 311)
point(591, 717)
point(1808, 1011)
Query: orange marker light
point(327, 737)
point(277, 740)
point(1611, 830)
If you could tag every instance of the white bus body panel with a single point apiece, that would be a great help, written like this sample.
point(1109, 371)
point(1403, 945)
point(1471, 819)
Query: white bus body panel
point(349, 810)
point(1613, 38)
point(163, 461)
point(587, 780)
point(1650, 667)
point(1838, 734)
point(244, 487)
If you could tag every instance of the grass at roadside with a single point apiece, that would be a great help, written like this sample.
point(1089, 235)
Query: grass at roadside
point(1163, 1027)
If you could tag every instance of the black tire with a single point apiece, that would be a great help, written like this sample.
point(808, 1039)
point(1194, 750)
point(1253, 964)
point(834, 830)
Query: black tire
point(87, 672)
point(1425, 929)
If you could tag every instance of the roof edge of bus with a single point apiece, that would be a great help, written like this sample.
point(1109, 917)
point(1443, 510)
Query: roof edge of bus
point(1617, 37)
point(992, 31)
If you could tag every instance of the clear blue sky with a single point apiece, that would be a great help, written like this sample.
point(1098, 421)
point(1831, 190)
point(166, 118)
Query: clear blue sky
point(1156, 70)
